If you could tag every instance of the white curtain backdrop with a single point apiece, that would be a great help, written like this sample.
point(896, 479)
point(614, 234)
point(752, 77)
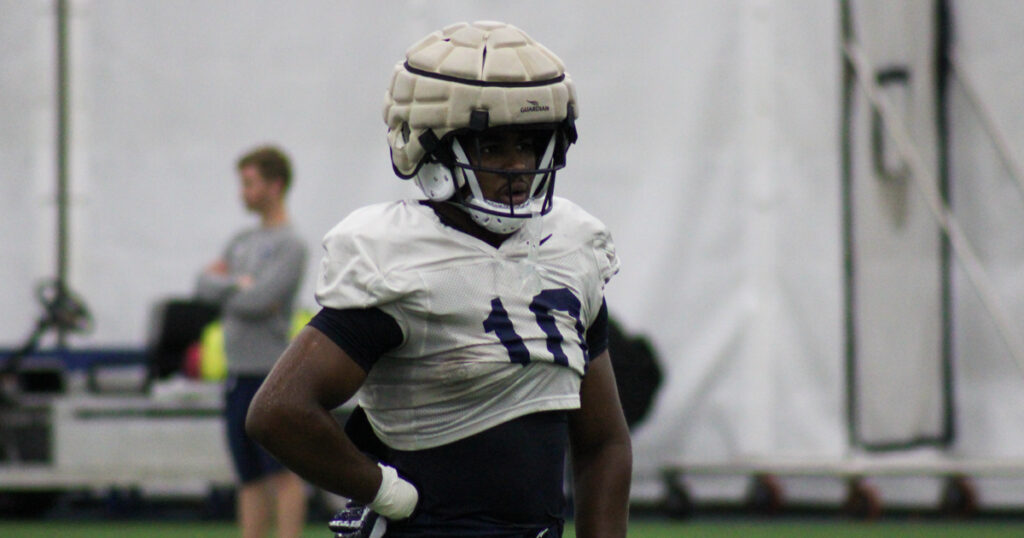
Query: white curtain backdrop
point(990, 204)
point(747, 289)
point(709, 143)
point(27, 166)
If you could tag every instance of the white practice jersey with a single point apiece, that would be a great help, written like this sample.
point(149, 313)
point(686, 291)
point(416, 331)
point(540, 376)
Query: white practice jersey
point(489, 334)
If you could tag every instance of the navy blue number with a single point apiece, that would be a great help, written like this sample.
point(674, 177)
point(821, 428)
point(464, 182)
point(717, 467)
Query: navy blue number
point(499, 323)
point(543, 303)
point(562, 300)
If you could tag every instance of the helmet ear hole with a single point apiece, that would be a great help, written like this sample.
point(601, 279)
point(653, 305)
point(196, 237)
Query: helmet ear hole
point(435, 180)
point(406, 131)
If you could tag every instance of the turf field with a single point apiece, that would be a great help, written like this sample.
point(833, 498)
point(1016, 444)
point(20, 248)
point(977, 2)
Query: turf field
point(638, 529)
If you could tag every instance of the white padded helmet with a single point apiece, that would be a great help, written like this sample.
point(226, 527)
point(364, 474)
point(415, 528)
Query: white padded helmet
point(462, 80)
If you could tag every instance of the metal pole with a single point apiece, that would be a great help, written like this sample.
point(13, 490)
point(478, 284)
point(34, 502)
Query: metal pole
point(62, 153)
point(849, 276)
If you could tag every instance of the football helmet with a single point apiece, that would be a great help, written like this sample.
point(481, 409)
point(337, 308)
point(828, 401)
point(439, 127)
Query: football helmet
point(460, 81)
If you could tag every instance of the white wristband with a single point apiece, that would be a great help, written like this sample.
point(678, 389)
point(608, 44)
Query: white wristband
point(396, 498)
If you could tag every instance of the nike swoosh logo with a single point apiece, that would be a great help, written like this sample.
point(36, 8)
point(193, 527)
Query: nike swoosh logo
point(545, 239)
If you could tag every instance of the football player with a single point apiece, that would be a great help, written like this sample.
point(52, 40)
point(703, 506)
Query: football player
point(471, 324)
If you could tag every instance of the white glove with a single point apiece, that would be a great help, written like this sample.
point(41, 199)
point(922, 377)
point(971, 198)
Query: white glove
point(396, 498)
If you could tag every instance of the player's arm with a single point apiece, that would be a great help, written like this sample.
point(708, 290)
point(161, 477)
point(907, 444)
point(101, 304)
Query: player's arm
point(602, 457)
point(291, 417)
point(291, 413)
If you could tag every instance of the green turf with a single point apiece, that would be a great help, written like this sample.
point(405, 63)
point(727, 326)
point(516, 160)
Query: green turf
point(638, 529)
point(823, 530)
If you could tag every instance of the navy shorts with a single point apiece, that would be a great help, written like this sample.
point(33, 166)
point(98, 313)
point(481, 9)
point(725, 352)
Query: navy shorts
point(251, 461)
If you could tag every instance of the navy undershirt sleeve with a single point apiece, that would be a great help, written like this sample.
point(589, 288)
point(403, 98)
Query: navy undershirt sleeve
point(597, 333)
point(364, 333)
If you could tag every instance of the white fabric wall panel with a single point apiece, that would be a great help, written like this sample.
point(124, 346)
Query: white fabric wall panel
point(897, 261)
point(709, 144)
point(27, 169)
point(990, 206)
point(745, 285)
point(168, 94)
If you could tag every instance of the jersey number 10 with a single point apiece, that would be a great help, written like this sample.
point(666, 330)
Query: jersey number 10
point(560, 299)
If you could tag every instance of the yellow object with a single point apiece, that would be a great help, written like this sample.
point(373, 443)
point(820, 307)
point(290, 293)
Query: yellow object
point(213, 362)
point(299, 320)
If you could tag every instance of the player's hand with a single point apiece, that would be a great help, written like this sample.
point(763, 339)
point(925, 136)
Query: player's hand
point(396, 499)
point(355, 521)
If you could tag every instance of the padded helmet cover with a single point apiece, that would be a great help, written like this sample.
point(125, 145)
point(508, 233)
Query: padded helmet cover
point(466, 67)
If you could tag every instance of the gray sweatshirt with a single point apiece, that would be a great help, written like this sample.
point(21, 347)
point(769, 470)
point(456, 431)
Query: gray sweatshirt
point(257, 319)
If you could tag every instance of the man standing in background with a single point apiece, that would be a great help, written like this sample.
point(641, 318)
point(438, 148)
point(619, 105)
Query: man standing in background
point(255, 282)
